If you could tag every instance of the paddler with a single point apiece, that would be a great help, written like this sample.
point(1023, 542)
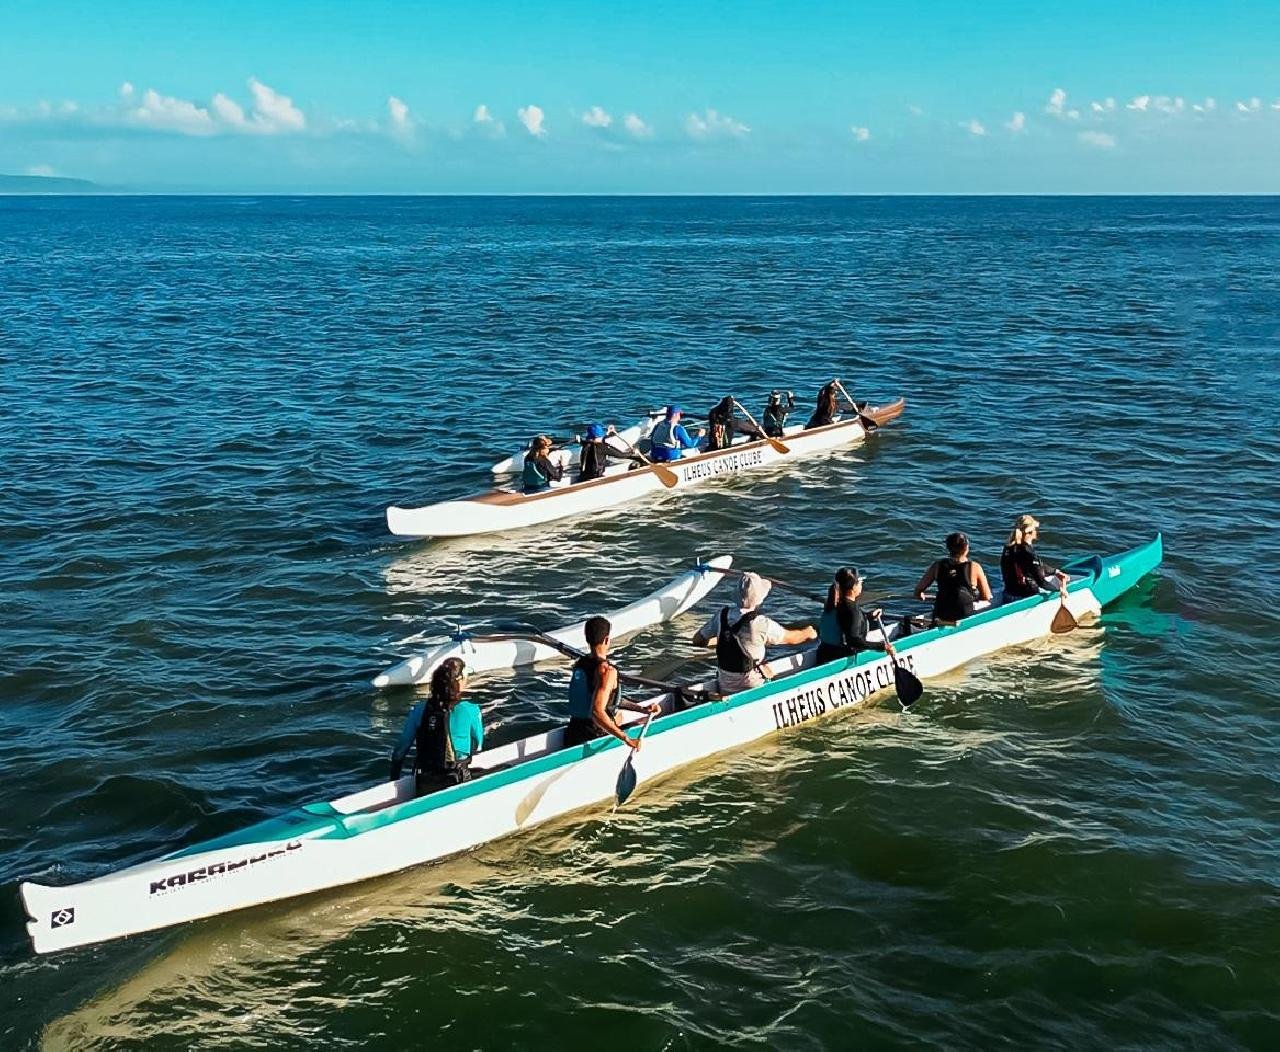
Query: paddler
point(447, 731)
point(722, 426)
point(1021, 568)
point(669, 440)
point(539, 469)
point(827, 408)
point(776, 410)
point(962, 584)
point(595, 694)
point(741, 633)
point(843, 627)
point(596, 452)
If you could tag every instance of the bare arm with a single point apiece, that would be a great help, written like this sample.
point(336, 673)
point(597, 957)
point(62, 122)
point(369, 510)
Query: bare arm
point(792, 636)
point(699, 640)
point(980, 583)
point(930, 575)
point(606, 684)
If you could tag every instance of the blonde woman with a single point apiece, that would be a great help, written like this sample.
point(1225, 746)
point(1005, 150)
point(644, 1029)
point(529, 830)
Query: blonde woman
point(1023, 572)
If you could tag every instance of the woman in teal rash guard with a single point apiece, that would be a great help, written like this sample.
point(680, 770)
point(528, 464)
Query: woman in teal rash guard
point(539, 471)
point(447, 731)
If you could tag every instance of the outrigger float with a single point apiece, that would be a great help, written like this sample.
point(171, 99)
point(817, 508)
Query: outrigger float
point(486, 654)
point(509, 509)
point(527, 782)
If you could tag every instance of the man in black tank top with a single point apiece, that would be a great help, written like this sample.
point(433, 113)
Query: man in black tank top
point(961, 583)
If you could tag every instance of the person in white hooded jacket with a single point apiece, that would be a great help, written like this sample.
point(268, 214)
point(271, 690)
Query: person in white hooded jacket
point(742, 633)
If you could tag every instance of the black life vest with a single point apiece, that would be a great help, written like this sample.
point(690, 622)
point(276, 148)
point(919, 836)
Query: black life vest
point(955, 597)
point(592, 461)
point(436, 758)
point(731, 655)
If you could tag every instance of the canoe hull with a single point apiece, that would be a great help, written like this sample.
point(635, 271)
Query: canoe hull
point(384, 829)
point(499, 510)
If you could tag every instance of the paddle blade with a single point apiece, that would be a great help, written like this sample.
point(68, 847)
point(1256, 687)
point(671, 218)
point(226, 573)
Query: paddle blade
point(868, 424)
point(1063, 621)
point(908, 686)
point(666, 476)
point(627, 780)
point(779, 447)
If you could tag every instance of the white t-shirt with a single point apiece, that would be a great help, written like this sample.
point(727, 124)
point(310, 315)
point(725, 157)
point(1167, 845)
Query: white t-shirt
point(762, 631)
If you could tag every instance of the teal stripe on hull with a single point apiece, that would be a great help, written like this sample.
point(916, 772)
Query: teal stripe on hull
point(1108, 578)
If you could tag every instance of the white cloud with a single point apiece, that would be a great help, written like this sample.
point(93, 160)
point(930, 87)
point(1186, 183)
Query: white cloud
point(1108, 105)
point(974, 126)
point(273, 111)
point(860, 134)
point(1056, 106)
point(711, 123)
point(636, 127)
point(596, 117)
point(228, 110)
point(1140, 103)
point(1165, 104)
point(532, 117)
point(914, 110)
point(1017, 123)
point(1101, 140)
point(484, 122)
point(1252, 106)
point(1276, 105)
point(41, 169)
point(166, 113)
point(126, 90)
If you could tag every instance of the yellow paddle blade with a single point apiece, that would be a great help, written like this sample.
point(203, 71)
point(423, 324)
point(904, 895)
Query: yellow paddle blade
point(780, 447)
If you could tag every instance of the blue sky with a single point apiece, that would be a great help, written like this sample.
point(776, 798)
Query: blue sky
point(913, 97)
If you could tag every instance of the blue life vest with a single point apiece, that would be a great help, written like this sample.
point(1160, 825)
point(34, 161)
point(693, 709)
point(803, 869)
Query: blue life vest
point(829, 629)
point(582, 688)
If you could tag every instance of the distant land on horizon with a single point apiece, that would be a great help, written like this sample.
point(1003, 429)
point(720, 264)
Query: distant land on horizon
point(46, 184)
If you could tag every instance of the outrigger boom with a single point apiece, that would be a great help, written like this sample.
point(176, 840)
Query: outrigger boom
point(385, 828)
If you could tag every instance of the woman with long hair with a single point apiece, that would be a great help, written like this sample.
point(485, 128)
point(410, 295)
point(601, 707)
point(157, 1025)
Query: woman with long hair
point(843, 627)
point(1023, 572)
point(446, 729)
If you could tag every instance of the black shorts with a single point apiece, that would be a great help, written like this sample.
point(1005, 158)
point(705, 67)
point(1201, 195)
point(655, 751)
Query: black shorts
point(580, 731)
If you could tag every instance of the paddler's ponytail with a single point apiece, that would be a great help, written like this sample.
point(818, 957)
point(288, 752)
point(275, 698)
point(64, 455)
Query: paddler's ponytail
point(446, 682)
point(1021, 525)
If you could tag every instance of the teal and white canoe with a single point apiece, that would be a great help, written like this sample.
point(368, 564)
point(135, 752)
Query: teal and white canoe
point(521, 784)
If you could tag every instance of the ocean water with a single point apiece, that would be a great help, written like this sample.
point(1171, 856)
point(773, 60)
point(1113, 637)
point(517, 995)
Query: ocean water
point(206, 403)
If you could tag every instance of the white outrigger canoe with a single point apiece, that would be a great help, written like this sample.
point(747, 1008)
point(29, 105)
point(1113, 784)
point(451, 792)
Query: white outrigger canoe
point(385, 828)
point(485, 655)
point(509, 509)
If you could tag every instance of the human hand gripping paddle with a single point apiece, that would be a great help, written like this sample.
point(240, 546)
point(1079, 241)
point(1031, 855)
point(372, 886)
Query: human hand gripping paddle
point(665, 475)
point(1064, 620)
point(779, 447)
point(905, 682)
point(869, 423)
point(627, 777)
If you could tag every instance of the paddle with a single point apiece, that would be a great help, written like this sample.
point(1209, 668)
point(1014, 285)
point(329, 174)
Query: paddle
point(869, 423)
point(905, 682)
point(772, 580)
point(627, 777)
point(779, 447)
point(1063, 620)
point(665, 475)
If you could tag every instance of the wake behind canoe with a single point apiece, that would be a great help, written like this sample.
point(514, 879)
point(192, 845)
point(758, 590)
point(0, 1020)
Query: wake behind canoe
point(501, 509)
point(386, 828)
